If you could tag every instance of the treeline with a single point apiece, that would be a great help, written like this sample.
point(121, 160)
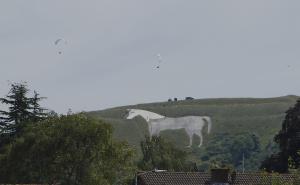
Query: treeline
point(240, 152)
point(40, 146)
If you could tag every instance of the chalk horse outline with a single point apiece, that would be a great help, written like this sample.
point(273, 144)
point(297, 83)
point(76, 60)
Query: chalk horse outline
point(157, 123)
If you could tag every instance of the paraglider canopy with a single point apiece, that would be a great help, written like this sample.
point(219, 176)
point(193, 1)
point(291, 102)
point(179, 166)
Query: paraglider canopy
point(159, 58)
point(60, 45)
point(57, 41)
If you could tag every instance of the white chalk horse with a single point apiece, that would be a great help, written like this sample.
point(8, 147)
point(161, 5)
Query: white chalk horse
point(157, 123)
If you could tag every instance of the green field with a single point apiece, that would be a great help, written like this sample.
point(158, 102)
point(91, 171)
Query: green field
point(261, 116)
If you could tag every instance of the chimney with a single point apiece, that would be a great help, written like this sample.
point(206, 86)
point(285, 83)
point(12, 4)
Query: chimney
point(220, 176)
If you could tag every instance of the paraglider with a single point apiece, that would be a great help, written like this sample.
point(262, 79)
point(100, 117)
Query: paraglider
point(159, 61)
point(57, 41)
point(60, 45)
point(159, 58)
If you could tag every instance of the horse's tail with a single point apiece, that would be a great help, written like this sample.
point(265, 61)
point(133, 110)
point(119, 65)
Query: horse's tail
point(208, 121)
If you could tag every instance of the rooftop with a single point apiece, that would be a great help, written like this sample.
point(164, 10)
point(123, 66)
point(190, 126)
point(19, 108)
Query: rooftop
point(202, 178)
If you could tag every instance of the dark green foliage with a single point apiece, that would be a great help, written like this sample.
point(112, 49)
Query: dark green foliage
point(21, 109)
point(67, 150)
point(275, 163)
point(18, 108)
point(229, 150)
point(288, 139)
point(160, 154)
point(37, 112)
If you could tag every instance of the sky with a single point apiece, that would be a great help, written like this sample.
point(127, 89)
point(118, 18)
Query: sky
point(209, 49)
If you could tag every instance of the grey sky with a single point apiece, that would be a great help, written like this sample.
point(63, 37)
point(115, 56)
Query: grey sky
point(210, 48)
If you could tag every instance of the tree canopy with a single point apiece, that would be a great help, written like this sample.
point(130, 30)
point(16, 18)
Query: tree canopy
point(21, 109)
point(69, 149)
point(288, 139)
point(160, 154)
point(226, 150)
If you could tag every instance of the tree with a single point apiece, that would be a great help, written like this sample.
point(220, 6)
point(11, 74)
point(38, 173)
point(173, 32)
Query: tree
point(18, 110)
point(288, 139)
point(69, 149)
point(160, 154)
point(21, 109)
point(226, 150)
point(37, 112)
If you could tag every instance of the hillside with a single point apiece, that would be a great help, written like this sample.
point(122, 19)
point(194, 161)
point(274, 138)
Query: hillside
point(230, 117)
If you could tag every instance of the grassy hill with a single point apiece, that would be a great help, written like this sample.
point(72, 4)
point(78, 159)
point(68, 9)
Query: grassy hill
point(261, 116)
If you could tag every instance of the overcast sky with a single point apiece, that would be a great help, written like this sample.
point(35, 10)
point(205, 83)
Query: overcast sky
point(209, 48)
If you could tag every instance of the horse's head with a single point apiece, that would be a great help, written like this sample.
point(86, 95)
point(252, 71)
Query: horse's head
point(147, 115)
point(131, 114)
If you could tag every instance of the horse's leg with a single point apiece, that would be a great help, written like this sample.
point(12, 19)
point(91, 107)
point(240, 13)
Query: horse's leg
point(199, 133)
point(150, 130)
point(154, 133)
point(191, 139)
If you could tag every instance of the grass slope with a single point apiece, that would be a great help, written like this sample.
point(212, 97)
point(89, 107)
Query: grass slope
point(262, 116)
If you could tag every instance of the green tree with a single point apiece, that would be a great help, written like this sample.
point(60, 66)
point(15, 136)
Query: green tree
point(21, 109)
point(37, 112)
point(288, 139)
point(18, 108)
point(67, 150)
point(160, 154)
point(226, 150)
